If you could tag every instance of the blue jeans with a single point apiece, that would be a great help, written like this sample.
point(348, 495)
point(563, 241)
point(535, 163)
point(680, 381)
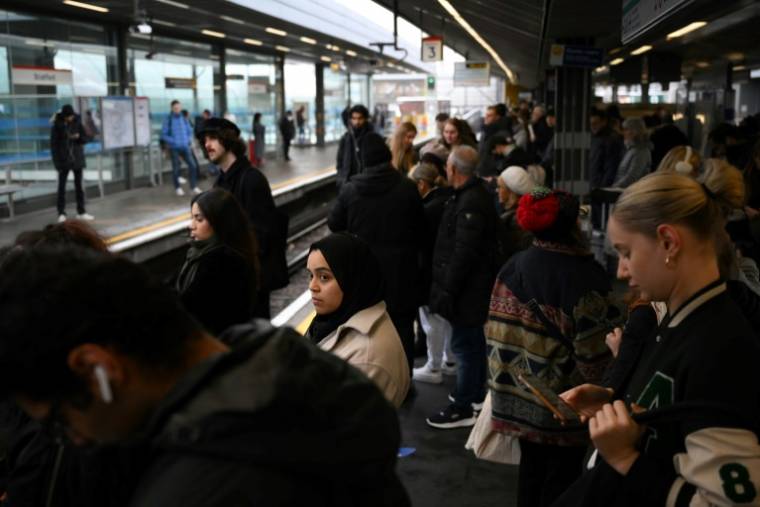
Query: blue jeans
point(192, 166)
point(469, 347)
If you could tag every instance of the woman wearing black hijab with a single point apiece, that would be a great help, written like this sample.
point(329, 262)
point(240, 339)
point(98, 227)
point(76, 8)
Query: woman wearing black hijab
point(347, 291)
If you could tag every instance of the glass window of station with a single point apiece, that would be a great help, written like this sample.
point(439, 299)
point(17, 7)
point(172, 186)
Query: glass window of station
point(45, 64)
point(336, 100)
point(300, 94)
point(251, 89)
point(164, 69)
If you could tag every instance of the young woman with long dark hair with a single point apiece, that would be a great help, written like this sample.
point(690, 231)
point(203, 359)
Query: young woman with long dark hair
point(219, 280)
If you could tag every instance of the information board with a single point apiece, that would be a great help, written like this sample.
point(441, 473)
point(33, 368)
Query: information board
point(142, 121)
point(472, 74)
point(118, 122)
point(641, 15)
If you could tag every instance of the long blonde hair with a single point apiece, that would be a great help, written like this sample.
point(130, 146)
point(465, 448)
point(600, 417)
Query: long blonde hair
point(403, 158)
point(669, 197)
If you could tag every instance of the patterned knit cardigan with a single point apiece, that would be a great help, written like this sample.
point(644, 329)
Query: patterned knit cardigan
point(573, 292)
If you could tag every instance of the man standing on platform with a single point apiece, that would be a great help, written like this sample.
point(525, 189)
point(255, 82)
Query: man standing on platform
point(348, 162)
point(288, 132)
point(67, 139)
point(177, 135)
point(464, 268)
point(250, 187)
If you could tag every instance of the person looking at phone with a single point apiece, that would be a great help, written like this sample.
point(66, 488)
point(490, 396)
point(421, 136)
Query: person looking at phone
point(549, 313)
point(665, 228)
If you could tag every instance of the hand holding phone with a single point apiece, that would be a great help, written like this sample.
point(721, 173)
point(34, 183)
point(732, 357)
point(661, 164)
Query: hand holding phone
point(551, 400)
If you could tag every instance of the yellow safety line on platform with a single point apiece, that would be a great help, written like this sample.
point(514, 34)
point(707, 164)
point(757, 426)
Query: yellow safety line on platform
point(305, 323)
point(184, 216)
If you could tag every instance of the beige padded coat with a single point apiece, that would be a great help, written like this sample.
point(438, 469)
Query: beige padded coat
point(370, 343)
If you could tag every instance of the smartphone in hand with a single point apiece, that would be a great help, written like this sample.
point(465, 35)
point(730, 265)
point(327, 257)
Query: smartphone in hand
point(551, 400)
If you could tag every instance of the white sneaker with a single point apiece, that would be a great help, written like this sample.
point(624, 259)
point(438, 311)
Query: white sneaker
point(181, 180)
point(61, 218)
point(449, 368)
point(197, 191)
point(85, 216)
point(427, 374)
point(180, 192)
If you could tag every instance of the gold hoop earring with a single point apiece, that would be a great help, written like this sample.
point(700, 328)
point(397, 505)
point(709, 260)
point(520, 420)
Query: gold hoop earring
point(667, 260)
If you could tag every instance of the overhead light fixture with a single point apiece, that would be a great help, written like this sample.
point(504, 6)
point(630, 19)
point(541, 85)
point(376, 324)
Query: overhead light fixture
point(253, 42)
point(143, 27)
point(212, 33)
point(617, 61)
point(703, 65)
point(43, 43)
point(160, 22)
point(174, 4)
point(276, 31)
point(687, 29)
point(602, 69)
point(325, 58)
point(308, 40)
point(615, 51)
point(475, 35)
point(335, 48)
point(233, 20)
point(282, 48)
point(735, 57)
point(350, 53)
point(740, 67)
point(83, 5)
point(643, 49)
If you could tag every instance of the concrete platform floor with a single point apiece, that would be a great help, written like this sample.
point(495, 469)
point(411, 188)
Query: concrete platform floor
point(124, 213)
point(441, 473)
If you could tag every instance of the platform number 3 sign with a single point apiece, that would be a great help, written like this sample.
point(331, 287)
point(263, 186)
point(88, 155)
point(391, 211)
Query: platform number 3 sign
point(432, 49)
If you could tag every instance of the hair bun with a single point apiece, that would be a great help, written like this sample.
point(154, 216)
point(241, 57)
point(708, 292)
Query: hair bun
point(538, 210)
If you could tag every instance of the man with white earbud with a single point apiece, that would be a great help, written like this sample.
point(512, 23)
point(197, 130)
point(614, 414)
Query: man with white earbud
point(94, 347)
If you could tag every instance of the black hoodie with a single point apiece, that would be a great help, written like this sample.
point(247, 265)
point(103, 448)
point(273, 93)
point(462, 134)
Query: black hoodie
point(275, 421)
point(384, 209)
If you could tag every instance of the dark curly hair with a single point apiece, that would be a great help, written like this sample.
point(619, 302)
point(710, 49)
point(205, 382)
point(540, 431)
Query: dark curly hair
point(70, 232)
point(230, 140)
point(55, 299)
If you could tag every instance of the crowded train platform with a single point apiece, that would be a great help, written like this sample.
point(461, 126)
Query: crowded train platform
point(379, 253)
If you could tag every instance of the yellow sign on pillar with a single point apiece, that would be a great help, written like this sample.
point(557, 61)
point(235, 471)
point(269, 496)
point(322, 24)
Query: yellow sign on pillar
point(511, 91)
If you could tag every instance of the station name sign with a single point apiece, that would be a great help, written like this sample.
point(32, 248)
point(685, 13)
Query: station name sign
point(40, 76)
point(562, 55)
point(179, 82)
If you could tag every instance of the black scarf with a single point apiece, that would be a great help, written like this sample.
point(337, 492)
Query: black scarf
point(197, 250)
point(357, 272)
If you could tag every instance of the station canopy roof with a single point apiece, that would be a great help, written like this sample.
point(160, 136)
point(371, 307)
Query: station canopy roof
point(312, 30)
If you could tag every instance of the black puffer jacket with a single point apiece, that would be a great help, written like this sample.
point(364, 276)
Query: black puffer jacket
point(465, 260)
point(67, 142)
point(434, 203)
point(273, 422)
point(385, 210)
